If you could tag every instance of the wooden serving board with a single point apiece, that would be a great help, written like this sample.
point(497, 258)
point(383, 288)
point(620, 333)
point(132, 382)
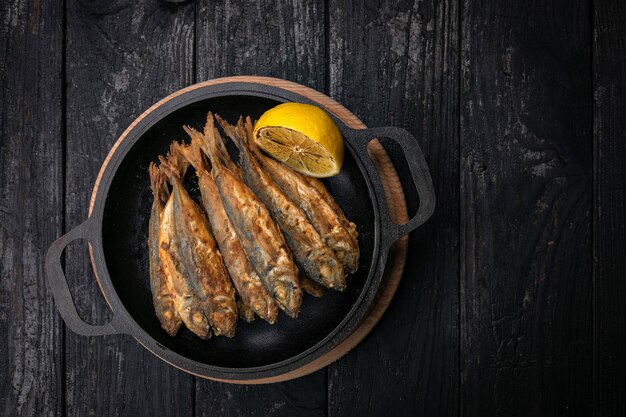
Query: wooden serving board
point(395, 200)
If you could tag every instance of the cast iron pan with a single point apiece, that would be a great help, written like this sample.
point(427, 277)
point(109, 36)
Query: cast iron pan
point(118, 225)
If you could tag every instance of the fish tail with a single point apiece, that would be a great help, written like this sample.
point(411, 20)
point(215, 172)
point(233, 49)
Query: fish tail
point(214, 146)
point(192, 152)
point(249, 136)
point(155, 178)
point(232, 132)
point(213, 140)
point(169, 168)
point(243, 133)
point(207, 141)
point(157, 183)
point(228, 128)
point(164, 192)
point(210, 124)
point(181, 163)
point(175, 165)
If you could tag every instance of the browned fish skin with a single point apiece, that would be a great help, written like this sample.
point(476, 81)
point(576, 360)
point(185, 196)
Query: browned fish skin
point(312, 255)
point(320, 213)
point(220, 147)
point(161, 296)
point(186, 301)
point(200, 256)
point(242, 273)
point(347, 224)
point(260, 238)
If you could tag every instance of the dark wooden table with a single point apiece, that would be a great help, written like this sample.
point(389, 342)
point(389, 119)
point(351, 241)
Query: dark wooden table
point(514, 297)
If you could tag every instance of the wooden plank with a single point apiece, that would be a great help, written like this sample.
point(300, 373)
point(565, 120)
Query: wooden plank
point(609, 81)
point(273, 38)
point(122, 57)
point(283, 40)
point(31, 213)
point(526, 192)
point(396, 63)
point(305, 396)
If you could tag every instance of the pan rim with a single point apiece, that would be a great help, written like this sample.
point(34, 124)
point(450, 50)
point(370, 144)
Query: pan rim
point(176, 101)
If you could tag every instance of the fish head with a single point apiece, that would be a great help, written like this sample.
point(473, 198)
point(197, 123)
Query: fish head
point(227, 320)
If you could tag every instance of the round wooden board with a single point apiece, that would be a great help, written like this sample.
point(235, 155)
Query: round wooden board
point(395, 201)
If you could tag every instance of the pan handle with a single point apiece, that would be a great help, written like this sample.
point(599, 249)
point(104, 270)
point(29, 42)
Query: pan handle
point(61, 292)
point(359, 139)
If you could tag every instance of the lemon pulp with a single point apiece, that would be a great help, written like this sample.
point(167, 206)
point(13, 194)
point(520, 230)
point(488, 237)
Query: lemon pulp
point(303, 137)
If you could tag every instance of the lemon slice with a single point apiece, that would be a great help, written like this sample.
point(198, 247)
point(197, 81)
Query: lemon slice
point(302, 137)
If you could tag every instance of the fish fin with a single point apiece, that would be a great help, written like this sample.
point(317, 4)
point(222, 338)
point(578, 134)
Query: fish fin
point(196, 137)
point(240, 139)
point(249, 126)
point(179, 160)
point(155, 177)
point(164, 192)
point(207, 142)
point(169, 167)
point(217, 140)
point(223, 154)
point(192, 152)
point(230, 130)
point(208, 139)
point(249, 134)
point(157, 183)
point(244, 137)
point(242, 131)
point(213, 139)
point(214, 147)
point(177, 152)
point(210, 124)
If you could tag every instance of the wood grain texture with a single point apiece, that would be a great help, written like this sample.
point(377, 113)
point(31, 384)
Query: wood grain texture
point(526, 199)
point(279, 39)
point(525, 204)
point(122, 56)
point(275, 38)
point(31, 205)
point(609, 81)
point(305, 396)
point(396, 63)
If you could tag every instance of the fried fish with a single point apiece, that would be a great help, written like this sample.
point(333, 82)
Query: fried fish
point(260, 238)
point(347, 224)
point(242, 273)
point(188, 303)
point(324, 216)
point(162, 297)
point(311, 253)
point(200, 256)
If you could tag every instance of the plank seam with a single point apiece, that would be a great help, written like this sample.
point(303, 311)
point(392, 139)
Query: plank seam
point(594, 336)
point(327, 47)
point(63, 189)
point(460, 185)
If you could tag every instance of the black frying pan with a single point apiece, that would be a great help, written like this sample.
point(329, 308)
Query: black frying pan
point(118, 226)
